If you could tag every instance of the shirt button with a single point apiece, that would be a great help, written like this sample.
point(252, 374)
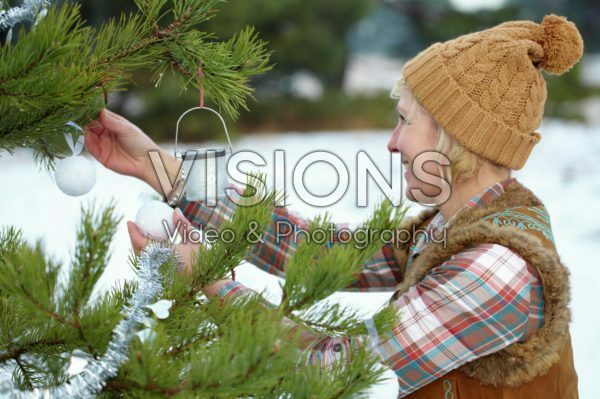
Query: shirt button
point(337, 347)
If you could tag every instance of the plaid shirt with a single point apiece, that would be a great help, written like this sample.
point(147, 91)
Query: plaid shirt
point(478, 302)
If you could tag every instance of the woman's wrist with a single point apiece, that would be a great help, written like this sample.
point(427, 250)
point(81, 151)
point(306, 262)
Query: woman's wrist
point(214, 289)
point(170, 166)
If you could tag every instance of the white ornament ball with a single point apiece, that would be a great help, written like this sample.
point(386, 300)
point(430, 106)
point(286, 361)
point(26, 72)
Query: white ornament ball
point(149, 219)
point(75, 175)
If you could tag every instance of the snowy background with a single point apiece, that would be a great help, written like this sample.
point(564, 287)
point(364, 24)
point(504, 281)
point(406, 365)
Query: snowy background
point(563, 170)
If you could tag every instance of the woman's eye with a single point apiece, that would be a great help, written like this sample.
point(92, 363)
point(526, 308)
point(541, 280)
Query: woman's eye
point(402, 118)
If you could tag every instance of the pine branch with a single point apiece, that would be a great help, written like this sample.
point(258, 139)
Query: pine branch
point(317, 271)
point(27, 375)
point(230, 366)
point(214, 263)
point(16, 351)
point(81, 67)
point(11, 241)
point(53, 315)
point(91, 256)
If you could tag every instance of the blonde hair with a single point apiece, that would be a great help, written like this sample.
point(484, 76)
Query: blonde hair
point(463, 163)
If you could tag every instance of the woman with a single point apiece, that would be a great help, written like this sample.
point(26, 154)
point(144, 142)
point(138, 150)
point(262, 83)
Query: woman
point(485, 314)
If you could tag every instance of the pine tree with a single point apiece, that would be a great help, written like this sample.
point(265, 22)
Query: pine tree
point(238, 347)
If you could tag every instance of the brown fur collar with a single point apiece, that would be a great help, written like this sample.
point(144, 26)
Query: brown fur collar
point(519, 363)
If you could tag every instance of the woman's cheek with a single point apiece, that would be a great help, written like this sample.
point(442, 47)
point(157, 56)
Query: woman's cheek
point(415, 180)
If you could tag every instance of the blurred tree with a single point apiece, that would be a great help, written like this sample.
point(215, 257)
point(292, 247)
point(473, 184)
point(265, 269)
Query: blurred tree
point(436, 20)
point(304, 34)
point(585, 14)
point(319, 36)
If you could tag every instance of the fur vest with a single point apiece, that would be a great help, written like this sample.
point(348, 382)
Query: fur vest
point(518, 220)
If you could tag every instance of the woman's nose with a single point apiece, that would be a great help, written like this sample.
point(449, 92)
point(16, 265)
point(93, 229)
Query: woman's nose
point(392, 144)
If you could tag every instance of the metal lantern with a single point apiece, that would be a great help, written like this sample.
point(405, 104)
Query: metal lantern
point(206, 167)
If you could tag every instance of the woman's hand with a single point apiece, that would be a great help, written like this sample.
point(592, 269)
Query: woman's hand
point(123, 147)
point(185, 251)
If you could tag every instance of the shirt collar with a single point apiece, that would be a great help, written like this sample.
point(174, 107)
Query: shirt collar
point(477, 201)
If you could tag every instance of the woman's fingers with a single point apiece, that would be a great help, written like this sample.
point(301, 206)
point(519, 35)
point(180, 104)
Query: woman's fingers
point(95, 127)
point(98, 146)
point(138, 241)
point(115, 122)
point(180, 222)
point(92, 144)
point(187, 253)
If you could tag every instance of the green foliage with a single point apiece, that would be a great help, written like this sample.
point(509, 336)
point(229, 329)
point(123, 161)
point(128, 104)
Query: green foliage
point(239, 346)
point(565, 94)
point(39, 321)
point(91, 254)
point(11, 240)
point(316, 270)
point(214, 263)
point(27, 275)
point(81, 66)
point(335, 110)
point(304, 34)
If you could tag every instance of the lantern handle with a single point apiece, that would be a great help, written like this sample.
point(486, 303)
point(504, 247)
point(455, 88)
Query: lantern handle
point(208, 109)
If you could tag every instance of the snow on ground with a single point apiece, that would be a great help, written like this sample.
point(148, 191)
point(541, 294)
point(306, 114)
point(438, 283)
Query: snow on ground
point(564, 171)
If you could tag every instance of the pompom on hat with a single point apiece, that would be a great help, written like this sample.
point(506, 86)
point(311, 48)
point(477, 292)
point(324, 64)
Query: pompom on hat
point(486, 88)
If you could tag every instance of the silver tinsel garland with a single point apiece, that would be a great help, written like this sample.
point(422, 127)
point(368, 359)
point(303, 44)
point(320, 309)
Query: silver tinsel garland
point(92, 379)
point(31, 10)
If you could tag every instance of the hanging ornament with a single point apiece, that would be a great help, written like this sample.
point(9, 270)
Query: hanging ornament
point(75, 175)
point(161, 308)
point(155, 220)
point(161, 311)
point(205, 168)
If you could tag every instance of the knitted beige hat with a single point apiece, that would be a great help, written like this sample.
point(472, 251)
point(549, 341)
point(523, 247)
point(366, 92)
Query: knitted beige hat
point(486, 88)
